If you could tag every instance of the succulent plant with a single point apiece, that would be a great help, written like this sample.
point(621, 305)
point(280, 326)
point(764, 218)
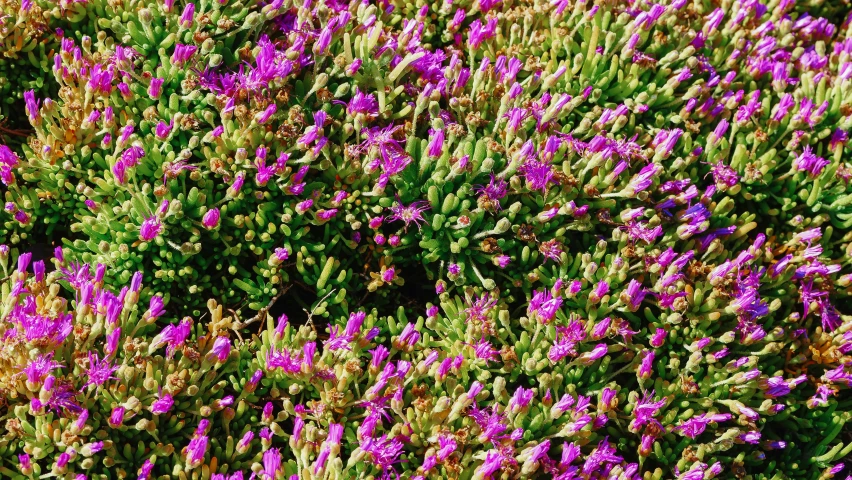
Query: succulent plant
point(453, 239)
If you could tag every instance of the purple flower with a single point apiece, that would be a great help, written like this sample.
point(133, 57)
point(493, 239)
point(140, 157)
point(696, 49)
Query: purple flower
point(646, 364)
point(124, 89)
point(116, 418)
point(25, 464)
point(809, 162)
point(724, 175)
point(820, 398)
point(271, 462)
point(491, 194)
point(284, 360)
point(304, 206)
point(544, 305)
point(783, 107)
point(502, 261)
point(379, 354)
point(644, 178)
point(538, 175)
point(119, 170)
point(80, 423)
point(99, 371)
point(484, 350)
point(409, 335)
point(363, 104)
point(551, 250)
point(155, 307)
point(211, 219)
point(336, 341)
point(32, 106)
point(150, 229)
point(492, 463)
point(601, 328)
point(750, 437)
point(221, 349)
point(245, 441)
point(64, 458)
point(775, 387)
point(266, 415)
point(183, 53)
point(196, 450)
point(838, 139)
point(412, 213)
point(520, 400)
point(187, 15)
point(132, 155)
point(608, 398)
point(694, 426)
point(252, 383)
point(603, 454)
point(516, 117)
point(666, 141)
point(477, 308)
point(588, 358)
point(39, 368)
point(480, 32)
point(281, 254)
point(174, 336)
point(163, 405)
point(372, 333)
point(436, 143)
point(155, 88)
point(383, 452)
point(600, 290)
point(633, 295)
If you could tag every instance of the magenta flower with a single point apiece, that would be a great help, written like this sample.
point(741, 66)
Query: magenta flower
point(809, 162)
point(155, 307)
point(436, 143)
point(544, 305)
point(155, 88)
point(100, 371)
point(363, 104)
point(196, 451)
point(388, 275)
point(723, 175)
point(25, 464)
point(551, 250)
point(383, 452)
point(245, 442)
point(221, 349)
point(163, 405)
point(182, 54)
point(174, 336)
point(150, 229)
point(538, 175)
point(502, 261)
point(271, 463)
point(116, 418)
point(37, 369)
point(304, 206)
point(32, 106)
point(592, 356)
point(412, 213)
point(211, 219)
point(187, 15)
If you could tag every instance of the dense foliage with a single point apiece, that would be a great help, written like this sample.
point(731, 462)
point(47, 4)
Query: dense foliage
point(462, 239)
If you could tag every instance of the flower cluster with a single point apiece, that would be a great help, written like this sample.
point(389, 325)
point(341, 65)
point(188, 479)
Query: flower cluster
point(464, 239)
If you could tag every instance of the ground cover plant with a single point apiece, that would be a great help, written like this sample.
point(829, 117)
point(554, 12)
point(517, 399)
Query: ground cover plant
point(459, 239)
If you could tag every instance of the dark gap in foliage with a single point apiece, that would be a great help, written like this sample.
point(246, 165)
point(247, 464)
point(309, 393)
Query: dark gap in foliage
point(413, 295)
point(418, 288)
point(287, 305)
